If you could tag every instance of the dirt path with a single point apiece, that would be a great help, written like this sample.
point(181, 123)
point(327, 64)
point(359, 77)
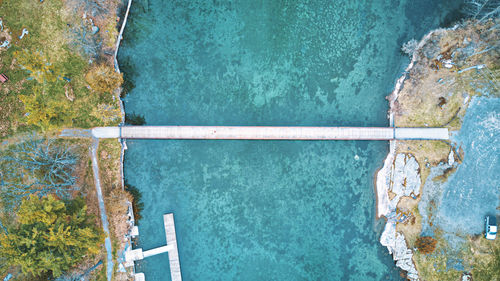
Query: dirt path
point(102, 209)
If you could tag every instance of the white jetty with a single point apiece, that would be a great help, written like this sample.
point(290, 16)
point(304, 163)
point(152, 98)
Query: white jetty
point(270, 133)
point(170, 248)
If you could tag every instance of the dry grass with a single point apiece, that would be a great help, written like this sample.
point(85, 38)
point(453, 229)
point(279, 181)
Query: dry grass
point(115, 198)
point(425, 152)
point(413, 227)
point(476, 255)
point(109, 164)
point(49, 25)
point(436, 96)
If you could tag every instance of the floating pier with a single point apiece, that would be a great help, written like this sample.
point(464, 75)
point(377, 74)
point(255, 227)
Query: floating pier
point(171, 248)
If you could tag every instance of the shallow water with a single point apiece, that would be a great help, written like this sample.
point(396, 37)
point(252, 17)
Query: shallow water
point(257, 210)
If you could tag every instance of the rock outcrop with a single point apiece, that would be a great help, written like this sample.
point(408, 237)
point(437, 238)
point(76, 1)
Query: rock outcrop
point(396, 244)
point(403, 180)
point(405, 176)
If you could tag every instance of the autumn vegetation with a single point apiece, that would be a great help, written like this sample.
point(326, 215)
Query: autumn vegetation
point(45, 226)
point(103, 79)
point(61, 75)
point(36, 167)
point(437, 95)
point(49, 237)
point(426, 244)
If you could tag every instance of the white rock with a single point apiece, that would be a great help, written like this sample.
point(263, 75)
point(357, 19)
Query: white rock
point(403, 256)
point(388, 237)
point(405, 180)
point(448, 63)
point(466, 99)
point(405, 176)
point(451, 158)
point(412, 176)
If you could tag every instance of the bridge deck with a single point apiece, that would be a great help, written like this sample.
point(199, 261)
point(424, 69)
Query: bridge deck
point(269, 133)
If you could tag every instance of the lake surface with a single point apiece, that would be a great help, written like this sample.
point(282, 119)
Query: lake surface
point(266, 210)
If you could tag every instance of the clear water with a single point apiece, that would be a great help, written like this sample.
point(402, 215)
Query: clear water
point(256, 210)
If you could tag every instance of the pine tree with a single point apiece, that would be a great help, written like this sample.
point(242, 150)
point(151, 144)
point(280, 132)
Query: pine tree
point(37, 65)
point(50, 237)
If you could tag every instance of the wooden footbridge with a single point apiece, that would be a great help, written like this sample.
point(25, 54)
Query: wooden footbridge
point(270, 133)
point(242, 133)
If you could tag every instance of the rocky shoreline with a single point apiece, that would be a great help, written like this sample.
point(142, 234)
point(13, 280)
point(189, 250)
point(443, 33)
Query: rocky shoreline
point(130, 222)
point(431, 92)
point(399, 177)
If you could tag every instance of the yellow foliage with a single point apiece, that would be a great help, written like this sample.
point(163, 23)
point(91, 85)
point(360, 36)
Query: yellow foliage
point(37, 64)
point(106, 112)
point(50, 236)
point(103, 79)
point(44, 112)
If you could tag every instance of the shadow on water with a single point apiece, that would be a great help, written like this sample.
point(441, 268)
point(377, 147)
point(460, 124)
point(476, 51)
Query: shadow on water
point(453, 17)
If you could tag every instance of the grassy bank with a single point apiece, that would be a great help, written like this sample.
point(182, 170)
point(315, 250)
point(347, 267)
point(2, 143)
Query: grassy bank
point(452, 67)
point(47, 68)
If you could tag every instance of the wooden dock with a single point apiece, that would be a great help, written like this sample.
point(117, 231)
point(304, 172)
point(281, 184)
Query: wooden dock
point(270, 133)
point(173, 253)
point(171, 248)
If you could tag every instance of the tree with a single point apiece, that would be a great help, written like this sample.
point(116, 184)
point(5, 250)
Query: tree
point(37, 65)
point(37, 166)
point(85, 41)
point(134, 119)
point(103, 79)
point(426, 244)
point(137, 203)
point(46, 112)
point(106, 113)
point(482, 9)
point(93, 7)
point(38, 111)
point(51, 236)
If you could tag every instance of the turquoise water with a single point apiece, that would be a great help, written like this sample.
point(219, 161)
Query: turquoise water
point(257, 210)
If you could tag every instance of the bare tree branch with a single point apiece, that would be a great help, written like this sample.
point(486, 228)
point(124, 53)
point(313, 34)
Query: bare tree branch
point(482, 9)
point(39, 167)
point(85, 41)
